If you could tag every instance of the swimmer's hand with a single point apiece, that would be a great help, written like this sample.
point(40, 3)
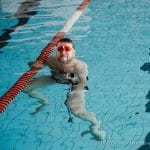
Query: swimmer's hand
point(35, 64)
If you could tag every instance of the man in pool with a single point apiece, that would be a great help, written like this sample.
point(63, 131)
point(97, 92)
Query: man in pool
point(66, 69)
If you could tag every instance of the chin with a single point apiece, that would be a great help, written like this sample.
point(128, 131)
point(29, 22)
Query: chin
point(63, 60)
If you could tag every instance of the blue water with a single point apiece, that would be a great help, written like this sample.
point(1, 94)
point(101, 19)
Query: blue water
point(113, 38)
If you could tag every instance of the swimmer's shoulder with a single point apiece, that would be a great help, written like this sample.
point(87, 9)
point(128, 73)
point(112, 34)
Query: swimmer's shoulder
point(80, 64)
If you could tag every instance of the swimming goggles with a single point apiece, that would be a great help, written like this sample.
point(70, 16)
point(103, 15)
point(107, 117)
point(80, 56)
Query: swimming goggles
point(64, 48)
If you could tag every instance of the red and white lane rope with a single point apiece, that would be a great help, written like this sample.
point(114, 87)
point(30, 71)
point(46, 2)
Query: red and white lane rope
point(26, 77)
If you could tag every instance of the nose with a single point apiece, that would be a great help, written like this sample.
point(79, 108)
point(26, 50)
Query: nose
point(63, 51)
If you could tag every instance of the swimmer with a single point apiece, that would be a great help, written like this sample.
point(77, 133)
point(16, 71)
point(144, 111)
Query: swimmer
point(66, 69)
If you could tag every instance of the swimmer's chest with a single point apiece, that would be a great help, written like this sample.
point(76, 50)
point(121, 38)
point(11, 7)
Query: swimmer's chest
point(64, 68)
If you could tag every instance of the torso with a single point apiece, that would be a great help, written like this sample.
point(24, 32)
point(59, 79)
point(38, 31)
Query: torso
point(62, 68)
point(61, 71)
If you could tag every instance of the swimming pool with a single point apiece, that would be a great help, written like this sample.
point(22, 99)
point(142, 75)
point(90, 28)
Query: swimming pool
point(113, 39)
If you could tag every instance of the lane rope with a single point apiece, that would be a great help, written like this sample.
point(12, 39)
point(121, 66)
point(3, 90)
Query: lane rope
point(6, 99)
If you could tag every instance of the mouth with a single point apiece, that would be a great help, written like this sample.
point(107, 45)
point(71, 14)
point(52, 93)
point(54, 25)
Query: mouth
point(63, 59)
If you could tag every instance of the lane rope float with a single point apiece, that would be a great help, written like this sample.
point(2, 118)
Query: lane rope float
point(6, 99)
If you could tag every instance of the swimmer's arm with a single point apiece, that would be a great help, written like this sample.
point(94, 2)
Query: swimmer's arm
point(82, 72)
point(36, 64)
point(39, 64)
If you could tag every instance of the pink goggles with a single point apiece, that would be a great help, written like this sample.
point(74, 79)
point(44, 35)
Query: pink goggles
point(64, 48)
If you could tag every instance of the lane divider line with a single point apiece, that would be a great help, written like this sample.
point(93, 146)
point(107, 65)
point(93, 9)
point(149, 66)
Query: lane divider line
point(6, 99)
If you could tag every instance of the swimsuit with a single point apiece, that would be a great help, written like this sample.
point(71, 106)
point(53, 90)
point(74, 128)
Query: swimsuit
point(66, 78)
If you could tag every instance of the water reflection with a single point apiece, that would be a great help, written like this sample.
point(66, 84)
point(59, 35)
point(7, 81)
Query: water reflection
point(23, 14)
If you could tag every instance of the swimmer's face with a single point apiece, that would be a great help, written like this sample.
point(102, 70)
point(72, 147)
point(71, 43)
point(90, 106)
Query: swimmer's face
point(65, 52)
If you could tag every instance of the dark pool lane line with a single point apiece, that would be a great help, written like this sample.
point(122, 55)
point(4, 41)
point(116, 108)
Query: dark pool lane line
point(146, 67)
point(146, 145)
point(23, 14)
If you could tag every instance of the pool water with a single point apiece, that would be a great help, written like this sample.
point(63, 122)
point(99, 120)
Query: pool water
point(112, 37)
